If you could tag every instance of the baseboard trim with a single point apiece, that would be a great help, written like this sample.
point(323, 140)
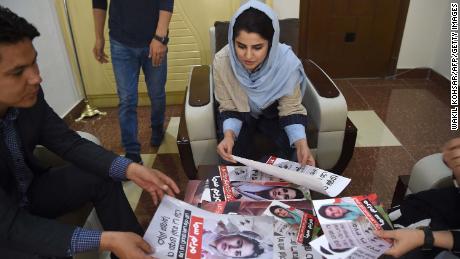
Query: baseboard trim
point(413, 73)
point(440, 79)
point(422, 73)
point(111, 100)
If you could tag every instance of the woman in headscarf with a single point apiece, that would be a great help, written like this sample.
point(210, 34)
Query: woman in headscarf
point(289, 216)
point(259, 85)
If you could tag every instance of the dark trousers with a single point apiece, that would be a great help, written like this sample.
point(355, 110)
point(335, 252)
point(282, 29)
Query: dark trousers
point(261, 137)
point(65, 189)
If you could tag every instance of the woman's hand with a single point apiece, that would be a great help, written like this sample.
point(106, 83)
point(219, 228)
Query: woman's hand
point(225, 147)
point(304, 156)
point(404, 240)
point(152, 181)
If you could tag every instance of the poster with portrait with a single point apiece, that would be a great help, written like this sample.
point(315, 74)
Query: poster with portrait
point(245, 173)
point(180, 230)
point(220, 189)
point(351, 221)
point(251, 208)
point(288, 247)
point(313, 178)
point(300, 225)
point(194, 191)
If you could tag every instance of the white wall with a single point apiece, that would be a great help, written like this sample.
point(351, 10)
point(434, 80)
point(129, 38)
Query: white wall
point(425, 41)
point(286, 8)
point(441, 58)
point(58, 84)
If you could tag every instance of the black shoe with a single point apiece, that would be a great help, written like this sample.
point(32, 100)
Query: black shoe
point(157, 136)
point(135, 157)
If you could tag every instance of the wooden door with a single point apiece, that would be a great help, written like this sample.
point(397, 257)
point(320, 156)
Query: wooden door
point(353, 38)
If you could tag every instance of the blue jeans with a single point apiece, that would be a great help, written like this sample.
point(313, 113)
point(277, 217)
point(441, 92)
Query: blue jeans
point(127, 62)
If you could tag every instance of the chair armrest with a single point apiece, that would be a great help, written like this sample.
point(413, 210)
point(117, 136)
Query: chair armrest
point(197, 131)
point(327, 109)
point(199, 105)
point(428, 173)
point(324, 102)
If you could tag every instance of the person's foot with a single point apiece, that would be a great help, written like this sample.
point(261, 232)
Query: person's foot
point(157, 136)
point(135, 157)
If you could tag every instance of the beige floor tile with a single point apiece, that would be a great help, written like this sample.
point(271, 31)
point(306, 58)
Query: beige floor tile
point(372, 132)
point(169, 144)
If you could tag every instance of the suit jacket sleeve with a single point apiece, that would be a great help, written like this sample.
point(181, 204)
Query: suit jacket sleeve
point(55, 135)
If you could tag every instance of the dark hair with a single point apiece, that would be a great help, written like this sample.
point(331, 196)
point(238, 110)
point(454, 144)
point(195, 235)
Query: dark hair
point(14, 29)
point(273, 208)
point(253, 20)
point(266, 194)
point(322, 212)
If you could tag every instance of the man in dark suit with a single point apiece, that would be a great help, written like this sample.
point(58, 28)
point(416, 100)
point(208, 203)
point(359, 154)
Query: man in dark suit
point(32, 196)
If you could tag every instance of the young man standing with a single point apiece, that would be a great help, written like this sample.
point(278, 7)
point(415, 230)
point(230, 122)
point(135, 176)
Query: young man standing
point(138, 32)
point(32, 196)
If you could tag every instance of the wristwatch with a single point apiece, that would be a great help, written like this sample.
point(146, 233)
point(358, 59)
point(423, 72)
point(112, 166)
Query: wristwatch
point(164, 40)
point(429, 239)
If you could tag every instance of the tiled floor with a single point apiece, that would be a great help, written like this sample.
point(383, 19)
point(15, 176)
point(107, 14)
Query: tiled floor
point(400, 121)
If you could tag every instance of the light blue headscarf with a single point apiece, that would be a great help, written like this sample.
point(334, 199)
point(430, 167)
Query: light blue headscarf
point(280, 73)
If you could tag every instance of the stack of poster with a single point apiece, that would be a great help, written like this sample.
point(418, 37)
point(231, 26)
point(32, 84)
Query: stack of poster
point(286, 234)
point(220, 189)
point(294, 219)
point(348, 225)
point(180, 230)
point(311, 177)
point(231, 183)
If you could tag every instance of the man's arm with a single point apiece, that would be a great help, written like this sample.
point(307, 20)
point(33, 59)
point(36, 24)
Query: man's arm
point(99, 14)
point(157, 49)
point(406, 240)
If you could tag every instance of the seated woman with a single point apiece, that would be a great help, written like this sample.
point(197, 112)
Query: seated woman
point(259, 85)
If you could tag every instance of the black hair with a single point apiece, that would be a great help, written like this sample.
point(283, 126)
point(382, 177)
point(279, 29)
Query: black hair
point(253, 20)
point(266, 194)
point(322, 212)
point(273, 208)
point(14, 29)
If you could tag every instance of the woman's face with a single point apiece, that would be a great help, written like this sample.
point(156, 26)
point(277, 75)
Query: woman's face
point(251, 49)
point(282, 193)
point(235, 246)
point(335, 211)
point(282, 212)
